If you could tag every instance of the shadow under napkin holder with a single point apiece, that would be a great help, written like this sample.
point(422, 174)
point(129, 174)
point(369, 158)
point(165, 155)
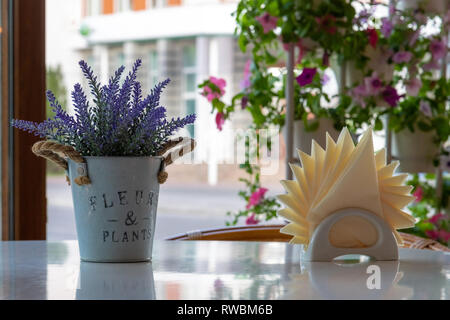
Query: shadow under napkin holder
point(320, 248)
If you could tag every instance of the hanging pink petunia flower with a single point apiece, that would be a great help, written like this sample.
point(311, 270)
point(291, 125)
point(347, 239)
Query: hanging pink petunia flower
point(372, 34)
point(432, 234)
point(438, 48)
point(413, 86)
point(245, 83)
point(444, 235)
point(220, 120)
point(220, 83)
point(418, 194)
point(251, 220)
point(432, 65)
point(306, 77)
point(402, 57)
point(359, 94)
point(437, 218)
point(372, 85)
point(327, 23)
point(256, 197)
point(267, 21)
point(210, 94)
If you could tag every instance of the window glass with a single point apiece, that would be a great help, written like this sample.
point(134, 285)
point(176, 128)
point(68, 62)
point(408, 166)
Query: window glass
point(189, 56)
point(191, 85)
point(153, 69)
point(190, 109)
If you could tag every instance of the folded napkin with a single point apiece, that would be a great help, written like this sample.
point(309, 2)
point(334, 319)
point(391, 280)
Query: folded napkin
point(345, 176)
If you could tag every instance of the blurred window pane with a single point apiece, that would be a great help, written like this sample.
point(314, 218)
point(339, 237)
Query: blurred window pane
point(190, 109)
point(189, 56)
point(191, 82)
point(153, 69)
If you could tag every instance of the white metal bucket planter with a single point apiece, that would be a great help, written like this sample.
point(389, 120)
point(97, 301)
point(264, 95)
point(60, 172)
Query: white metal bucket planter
point(303, 138)
point(414, 150)
point(115, 199)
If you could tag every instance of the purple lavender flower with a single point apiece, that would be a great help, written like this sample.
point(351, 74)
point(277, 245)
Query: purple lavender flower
point(119, 123)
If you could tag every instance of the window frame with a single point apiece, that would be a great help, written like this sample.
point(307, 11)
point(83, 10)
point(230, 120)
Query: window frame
point(23, 174)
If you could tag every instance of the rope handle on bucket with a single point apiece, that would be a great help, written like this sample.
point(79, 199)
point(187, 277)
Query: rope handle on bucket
point(57, 153)
point(185, 145)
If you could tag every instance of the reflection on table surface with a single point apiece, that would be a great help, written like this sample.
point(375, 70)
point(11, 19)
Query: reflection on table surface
point(217, 270)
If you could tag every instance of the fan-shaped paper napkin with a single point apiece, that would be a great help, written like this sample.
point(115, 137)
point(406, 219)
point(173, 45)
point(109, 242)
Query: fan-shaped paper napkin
point(344, 176)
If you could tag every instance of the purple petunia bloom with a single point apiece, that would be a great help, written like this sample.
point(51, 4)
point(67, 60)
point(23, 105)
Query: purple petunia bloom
point(413, 86)
point(432, 65)
point(391, 96)
point(438, 48)
point(244, 102)
point(386, 27)
point(118, 123)
point(402, 57)
point(267, 21)
point(306, 77)
point(373, 85)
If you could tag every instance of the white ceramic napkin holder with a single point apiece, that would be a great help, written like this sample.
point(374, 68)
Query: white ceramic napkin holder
point(320, 248)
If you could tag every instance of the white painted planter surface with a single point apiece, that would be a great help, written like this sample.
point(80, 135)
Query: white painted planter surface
point(115, 215)
point(415, 151)
point(303, 139)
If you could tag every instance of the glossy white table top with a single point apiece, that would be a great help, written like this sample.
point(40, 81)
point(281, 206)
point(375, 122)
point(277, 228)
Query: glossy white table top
point(216, 270)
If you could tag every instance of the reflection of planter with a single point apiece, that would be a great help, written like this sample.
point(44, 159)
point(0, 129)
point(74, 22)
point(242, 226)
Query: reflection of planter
point(303, 138)
point(429, 6)
point(414, 150)
point(106, 281)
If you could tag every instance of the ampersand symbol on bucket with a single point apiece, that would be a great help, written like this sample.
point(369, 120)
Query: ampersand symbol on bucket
point(130, 220)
